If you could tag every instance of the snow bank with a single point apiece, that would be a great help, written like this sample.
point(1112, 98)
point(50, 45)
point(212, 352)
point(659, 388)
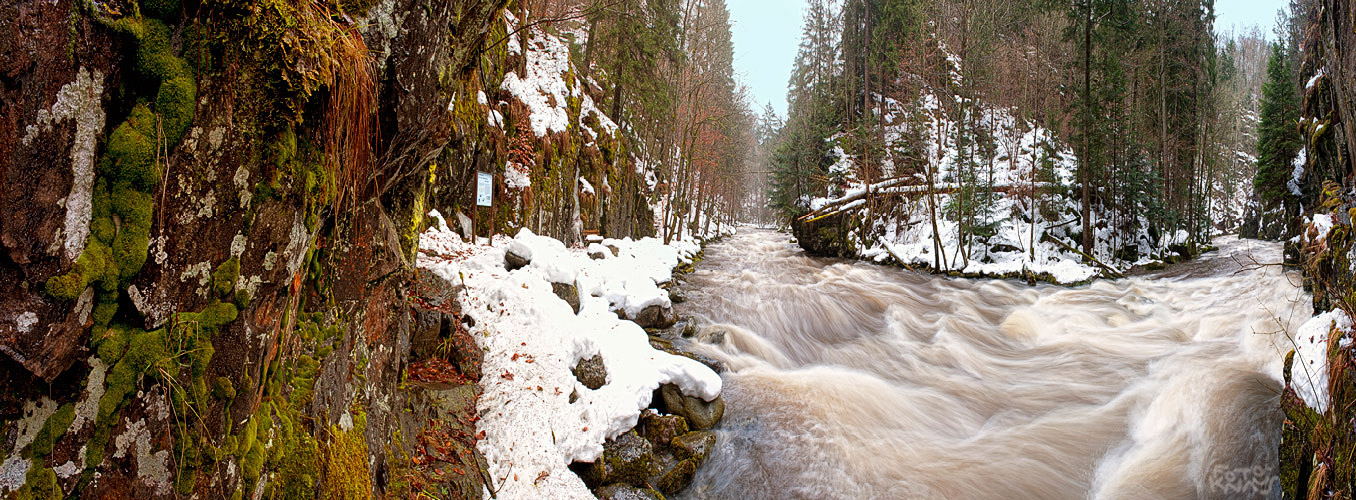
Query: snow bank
point(532, 338)
point(1309, 370)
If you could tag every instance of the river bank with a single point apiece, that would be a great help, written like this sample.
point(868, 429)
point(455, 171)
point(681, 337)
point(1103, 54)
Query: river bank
point(566, 380)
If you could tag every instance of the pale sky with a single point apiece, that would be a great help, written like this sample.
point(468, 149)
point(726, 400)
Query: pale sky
point(766, 33)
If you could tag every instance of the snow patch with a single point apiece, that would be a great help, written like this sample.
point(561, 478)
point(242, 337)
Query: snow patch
point(1309, 371)
point(1297, 173)
point(542, 88)
point(1314, 79)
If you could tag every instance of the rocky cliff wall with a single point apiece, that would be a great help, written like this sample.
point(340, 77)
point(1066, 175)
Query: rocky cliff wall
point(208, 222)
point(1317, 444)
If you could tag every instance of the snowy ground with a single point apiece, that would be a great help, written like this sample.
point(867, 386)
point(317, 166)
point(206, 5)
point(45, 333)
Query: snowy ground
point(532, 338)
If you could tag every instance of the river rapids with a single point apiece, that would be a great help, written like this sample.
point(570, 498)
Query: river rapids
point(854, 380)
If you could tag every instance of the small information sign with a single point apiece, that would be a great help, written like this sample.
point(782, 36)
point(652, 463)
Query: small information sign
point(484, 189)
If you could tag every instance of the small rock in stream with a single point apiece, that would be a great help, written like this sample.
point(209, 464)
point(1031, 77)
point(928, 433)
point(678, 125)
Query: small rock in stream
point(626, 492)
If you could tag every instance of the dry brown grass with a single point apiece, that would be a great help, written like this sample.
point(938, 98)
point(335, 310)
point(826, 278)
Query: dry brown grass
point(348, 133)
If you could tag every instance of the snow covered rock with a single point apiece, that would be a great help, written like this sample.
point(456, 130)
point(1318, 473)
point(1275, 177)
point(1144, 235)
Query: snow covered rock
point(699, 413)
point(568, 292)
point(1309, 370)
point(513, 261)
point(591, 372)
point(656, 316)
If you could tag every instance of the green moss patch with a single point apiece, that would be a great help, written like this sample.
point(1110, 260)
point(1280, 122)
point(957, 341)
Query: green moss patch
point(346, 471)
point(52, 430)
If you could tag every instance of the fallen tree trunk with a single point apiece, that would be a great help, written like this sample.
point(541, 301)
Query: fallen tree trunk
point(848, 202)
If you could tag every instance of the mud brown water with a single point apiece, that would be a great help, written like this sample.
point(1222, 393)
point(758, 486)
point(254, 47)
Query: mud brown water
point(852, 380)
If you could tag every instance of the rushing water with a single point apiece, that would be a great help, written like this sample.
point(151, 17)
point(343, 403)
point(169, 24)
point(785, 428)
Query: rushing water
point(852, 380)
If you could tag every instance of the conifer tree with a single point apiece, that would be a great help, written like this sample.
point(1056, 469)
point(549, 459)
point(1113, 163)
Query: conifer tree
point(1278, 141)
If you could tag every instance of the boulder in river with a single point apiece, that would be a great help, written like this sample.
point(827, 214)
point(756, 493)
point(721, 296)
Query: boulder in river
point(699, 414)
point(677, 477)
point(661, 429)
point(627, 459)
point(695, 446)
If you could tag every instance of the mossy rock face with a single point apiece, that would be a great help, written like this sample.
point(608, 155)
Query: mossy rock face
point(176, 102)
point(223, 278)
point(163, 9)
point(40, 483)
point(346, 474)
point(131, 153)
point(52, 430)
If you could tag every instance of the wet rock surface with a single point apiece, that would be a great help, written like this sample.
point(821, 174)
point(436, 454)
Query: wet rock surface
point(656, 317)
point(626, 492)
point(699, 414)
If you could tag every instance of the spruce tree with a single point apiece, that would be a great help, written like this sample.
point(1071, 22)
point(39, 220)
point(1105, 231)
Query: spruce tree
point(1278, 140)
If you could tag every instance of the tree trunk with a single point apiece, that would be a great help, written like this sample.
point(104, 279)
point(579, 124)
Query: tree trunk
point(1084, 169)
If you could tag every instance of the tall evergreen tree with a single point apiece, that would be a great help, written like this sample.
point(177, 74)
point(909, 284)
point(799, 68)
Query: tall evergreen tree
point(1278, 140)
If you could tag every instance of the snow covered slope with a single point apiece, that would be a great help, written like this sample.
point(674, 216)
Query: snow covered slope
point(1010, 180)
point(532, 338)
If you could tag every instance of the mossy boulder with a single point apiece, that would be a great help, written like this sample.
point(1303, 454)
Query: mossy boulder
point(628, 459)
point(661, 429)
point(677, 477)
point(699, 414)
